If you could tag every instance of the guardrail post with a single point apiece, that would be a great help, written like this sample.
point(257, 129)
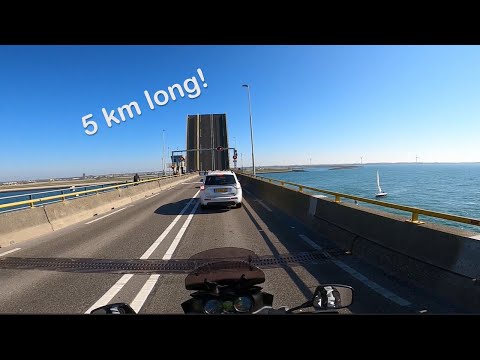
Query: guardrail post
point(415, 219)
point(31, 198)
point(300, 188)
point(283, 183)
point(337, 198)
point(269, 180)
point(63, 197)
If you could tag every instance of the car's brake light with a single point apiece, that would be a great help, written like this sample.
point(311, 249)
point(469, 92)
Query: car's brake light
point(237, 186)
point(202, 187)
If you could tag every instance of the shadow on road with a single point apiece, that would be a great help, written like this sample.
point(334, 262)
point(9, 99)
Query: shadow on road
point(174, 208)
point(295, 278)
point(286, 229)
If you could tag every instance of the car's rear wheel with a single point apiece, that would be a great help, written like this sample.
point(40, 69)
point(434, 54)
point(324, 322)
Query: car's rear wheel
point(238, 206)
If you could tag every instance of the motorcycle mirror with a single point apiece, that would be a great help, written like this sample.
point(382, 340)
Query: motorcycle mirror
point(332, 296)
point(115, 309)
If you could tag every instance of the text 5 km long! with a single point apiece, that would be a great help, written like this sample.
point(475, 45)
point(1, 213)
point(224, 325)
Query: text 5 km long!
point(160, 98)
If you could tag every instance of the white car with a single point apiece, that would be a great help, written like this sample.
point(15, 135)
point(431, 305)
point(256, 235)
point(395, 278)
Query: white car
point(221, 188)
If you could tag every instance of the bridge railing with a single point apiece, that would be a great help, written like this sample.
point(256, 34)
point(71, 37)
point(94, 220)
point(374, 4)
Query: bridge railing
point(68, 196)
point(415, 212)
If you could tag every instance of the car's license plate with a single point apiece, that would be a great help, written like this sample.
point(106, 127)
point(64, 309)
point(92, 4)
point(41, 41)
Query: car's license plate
point(221, 190)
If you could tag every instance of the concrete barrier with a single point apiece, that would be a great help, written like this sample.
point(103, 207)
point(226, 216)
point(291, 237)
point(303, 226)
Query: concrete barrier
point(66, 213)
point(442, 259)
point(21, 225)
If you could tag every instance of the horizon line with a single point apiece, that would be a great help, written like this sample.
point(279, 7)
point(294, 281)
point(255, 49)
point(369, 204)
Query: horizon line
point(258, 166)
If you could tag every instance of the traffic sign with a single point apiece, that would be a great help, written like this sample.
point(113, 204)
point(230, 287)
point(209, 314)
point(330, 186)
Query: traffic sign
point(234, 157)
point(219, 148)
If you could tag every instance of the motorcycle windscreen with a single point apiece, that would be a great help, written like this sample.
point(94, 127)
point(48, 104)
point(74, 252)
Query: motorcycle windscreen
point(224, 266)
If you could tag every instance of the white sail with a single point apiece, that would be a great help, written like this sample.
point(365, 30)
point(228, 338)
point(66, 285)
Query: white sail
point(380, 192)
point(378, 184)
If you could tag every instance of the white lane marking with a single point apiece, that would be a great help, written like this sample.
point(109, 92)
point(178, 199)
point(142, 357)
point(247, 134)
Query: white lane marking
point(265, 206)
point(171, 249)
point(9, 251)
point(371, 284)
point(157, 242)
point(258, 200)
point(148, 197)
point(139, 300)
point(195, 182)
point(105, 299)
point(152, 280)
point(310, 242)
point(103, 217)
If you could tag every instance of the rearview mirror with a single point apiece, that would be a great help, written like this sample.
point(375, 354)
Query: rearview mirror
point(115, 309)
point(332, 296)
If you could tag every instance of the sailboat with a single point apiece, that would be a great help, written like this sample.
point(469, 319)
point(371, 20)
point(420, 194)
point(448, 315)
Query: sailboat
point(380, 192)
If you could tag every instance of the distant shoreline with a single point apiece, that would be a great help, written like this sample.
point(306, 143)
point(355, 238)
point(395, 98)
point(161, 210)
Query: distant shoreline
point(344, 167)
point(363, 164)
point(273, 168)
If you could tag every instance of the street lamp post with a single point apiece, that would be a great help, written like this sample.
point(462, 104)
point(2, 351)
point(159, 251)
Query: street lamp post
point(168, 152)
point(163, 157)
point(251, 127)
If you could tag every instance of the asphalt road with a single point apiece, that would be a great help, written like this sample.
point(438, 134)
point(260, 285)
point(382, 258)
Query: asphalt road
point(172, 225)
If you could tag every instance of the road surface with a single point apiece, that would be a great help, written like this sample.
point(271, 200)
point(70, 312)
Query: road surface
point(172, 225)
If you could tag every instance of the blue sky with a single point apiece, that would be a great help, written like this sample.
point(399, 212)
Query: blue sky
point(332, 104)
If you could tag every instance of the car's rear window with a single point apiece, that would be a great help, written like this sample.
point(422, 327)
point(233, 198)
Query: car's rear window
point(220, 180)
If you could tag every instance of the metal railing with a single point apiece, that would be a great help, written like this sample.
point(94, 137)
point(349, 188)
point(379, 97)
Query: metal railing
point(415, 212)
point(76, 188)
point(75, 194)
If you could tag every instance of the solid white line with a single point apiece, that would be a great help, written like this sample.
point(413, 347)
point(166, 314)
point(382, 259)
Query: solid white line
point(157, 242)
point(371, 284)
point(148, 197)
point(171, 249)
point(103, 217)
point(105, 299)
point(152, 280)
point(139, 300)
point(9, 251)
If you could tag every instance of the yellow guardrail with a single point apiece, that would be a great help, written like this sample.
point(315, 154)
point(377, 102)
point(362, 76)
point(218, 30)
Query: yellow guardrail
point(32, 202)
point(414, 211)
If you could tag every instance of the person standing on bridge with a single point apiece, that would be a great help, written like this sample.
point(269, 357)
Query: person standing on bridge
point(136, 178)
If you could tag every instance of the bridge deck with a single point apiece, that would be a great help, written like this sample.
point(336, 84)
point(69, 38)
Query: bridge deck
point(152, 228)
